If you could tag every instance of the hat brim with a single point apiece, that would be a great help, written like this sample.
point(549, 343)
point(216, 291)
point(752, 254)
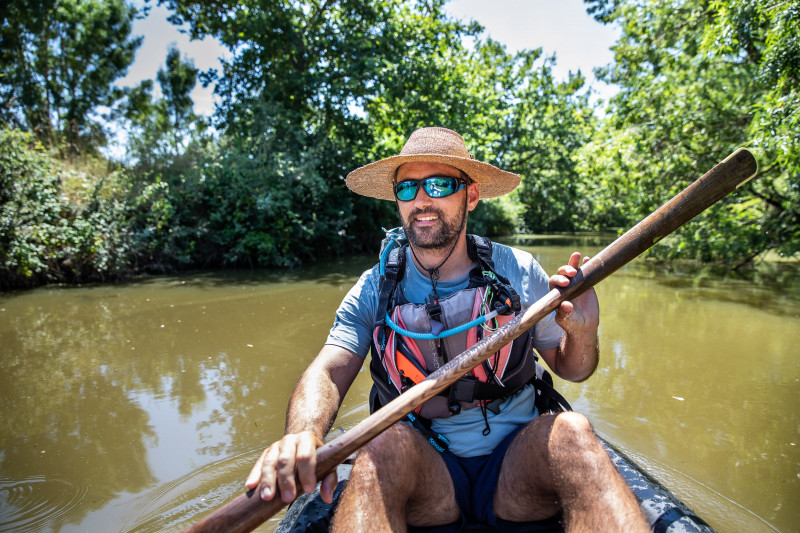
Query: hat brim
point(376, 180)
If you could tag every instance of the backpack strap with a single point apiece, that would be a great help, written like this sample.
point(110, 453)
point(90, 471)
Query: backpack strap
point(393, 270)
point(480, 249)
point(547, 399)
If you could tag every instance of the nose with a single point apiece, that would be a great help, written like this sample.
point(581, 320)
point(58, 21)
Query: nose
point(422, 199)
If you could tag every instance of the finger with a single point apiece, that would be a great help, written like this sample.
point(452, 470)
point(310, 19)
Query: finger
point(558, 281)
point(307, 464)
point(328, 486)
point(564, 310)
point(575, 260)
point(286, 473)
point(268, 473)
point(567, 270)
point(255, 473)
point(586, 259)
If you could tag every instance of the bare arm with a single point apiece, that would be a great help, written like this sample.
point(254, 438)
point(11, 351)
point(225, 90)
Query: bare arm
point(312, 410)
point(320, 391)
point(577, 356)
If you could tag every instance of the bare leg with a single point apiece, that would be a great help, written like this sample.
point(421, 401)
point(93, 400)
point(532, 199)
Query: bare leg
point(397, 478)
point(556, 462)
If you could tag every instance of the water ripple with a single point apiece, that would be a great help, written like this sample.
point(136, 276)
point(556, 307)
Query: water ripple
point(171, 505)
point(33, 503)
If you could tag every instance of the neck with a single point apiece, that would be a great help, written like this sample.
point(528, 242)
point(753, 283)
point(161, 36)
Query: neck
point(456, 266)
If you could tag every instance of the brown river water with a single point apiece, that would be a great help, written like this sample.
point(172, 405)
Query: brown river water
point(141, 406)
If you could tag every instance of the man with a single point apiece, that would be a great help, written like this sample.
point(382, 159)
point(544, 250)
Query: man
point(507, 464)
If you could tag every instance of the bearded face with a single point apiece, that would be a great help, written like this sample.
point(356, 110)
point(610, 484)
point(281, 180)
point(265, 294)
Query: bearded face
point(430, 228)
point(434, 224)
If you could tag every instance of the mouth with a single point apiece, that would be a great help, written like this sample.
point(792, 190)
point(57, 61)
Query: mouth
point(427, 218)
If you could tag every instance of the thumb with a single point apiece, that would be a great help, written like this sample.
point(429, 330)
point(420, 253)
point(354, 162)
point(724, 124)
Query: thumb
point(328, 486)
point(564, 310)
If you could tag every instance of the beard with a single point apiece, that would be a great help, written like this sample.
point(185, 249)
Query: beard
point(442, 236)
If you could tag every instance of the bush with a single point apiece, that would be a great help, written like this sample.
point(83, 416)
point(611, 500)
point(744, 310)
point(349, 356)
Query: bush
point(57, 225)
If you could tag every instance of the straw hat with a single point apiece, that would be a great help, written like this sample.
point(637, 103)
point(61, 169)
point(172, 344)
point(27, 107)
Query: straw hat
point(435, 145)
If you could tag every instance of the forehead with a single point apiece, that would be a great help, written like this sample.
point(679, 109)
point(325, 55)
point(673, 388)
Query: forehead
point(423, 169)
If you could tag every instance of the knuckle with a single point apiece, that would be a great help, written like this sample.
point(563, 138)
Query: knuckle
point(284, 461)
point(305, 455)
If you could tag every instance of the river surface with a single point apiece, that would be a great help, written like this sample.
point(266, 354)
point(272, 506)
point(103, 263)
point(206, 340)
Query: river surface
point(141, 406)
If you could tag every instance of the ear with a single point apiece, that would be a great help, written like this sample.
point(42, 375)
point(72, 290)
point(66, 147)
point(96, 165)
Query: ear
point(473, 195)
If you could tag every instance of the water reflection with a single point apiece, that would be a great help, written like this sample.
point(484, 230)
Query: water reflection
point(67, 419)
point(692, 375)
point(139, 407)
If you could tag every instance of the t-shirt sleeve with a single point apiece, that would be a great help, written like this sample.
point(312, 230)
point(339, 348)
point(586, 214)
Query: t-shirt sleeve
point(528, 277)
point(355, 317)
point(546, 333)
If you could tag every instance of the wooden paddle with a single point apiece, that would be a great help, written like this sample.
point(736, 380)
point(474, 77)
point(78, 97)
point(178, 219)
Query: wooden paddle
point(247, 511)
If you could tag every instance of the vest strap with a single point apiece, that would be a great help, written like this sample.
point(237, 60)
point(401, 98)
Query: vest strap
point(548, 399)
point(393, 270)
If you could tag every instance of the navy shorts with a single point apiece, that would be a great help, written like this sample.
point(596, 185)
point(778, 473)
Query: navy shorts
point(475, 482)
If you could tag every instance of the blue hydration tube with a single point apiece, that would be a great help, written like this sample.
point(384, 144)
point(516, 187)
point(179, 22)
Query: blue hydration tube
point(395, 237)
point(446, 333)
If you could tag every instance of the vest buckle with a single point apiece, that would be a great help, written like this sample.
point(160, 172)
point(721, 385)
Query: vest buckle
point(434, 310)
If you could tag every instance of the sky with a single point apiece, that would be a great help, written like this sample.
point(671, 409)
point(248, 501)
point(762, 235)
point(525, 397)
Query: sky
point(560, 27)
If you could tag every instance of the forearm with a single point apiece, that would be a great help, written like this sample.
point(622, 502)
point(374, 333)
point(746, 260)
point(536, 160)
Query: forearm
point(313, 405)
point(312, 410)
point(578, 355)
point(320, 391)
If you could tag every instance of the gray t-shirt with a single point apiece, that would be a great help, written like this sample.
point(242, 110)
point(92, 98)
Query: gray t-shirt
point(355, 319)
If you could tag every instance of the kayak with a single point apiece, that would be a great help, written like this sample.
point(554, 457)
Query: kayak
point(662, 510)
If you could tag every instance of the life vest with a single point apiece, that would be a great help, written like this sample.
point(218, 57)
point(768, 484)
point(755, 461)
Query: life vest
point(412, 340)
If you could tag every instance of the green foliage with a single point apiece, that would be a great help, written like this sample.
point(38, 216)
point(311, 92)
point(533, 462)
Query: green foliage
point(545, 129)
point(58, 59)
point(161, 131)
point(495, 217)
point(177, 81)
point(699, 78)
point(56, 224)
point(313, 89)
point(512, 114)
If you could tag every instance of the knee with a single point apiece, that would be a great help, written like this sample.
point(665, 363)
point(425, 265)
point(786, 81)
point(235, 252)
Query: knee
point(573, 430)
point(386, 451)
point(385, 465)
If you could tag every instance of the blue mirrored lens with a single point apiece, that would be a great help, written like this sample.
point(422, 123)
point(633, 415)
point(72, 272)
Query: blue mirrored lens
point(406, 190)
point(440, 187)
point(435, 187)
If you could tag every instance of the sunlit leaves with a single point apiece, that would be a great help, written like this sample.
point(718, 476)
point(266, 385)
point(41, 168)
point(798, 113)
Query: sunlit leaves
point(698, 79)
point(58, 62)
point(57, 224)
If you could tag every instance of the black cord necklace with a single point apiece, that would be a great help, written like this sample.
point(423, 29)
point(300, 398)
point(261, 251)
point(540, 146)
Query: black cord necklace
point(433, 273)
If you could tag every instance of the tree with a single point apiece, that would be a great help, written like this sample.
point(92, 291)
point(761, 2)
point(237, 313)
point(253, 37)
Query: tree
point(512, 113)
point(697, 79)
point(548, 124)
point(58, 60)
point(177, 82)
point(296, 99)
point(160, 131)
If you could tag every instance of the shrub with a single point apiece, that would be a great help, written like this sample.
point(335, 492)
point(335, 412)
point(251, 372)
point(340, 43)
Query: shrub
point(57, 225)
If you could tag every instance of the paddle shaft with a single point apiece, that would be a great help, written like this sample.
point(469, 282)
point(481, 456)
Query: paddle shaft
point(247, 511)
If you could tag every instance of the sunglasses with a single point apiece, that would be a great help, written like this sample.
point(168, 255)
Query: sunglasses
point(435, 187)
